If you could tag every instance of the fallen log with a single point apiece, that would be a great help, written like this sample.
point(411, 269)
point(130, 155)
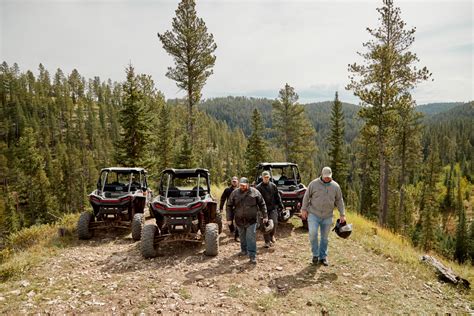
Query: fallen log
point(445, 274)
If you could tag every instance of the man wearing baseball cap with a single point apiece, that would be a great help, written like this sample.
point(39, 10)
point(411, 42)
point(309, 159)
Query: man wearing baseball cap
point(244, 205)
point(322, 196)
point(225, 196)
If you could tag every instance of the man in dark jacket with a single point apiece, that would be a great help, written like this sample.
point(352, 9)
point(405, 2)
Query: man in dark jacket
point(273, 201)
point(244, 205)
point(225, 196)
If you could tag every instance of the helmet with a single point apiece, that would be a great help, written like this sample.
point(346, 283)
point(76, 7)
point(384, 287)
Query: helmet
point(343, 230)
point(268, 226)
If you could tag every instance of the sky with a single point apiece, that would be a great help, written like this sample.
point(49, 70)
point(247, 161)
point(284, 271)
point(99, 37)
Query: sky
point(261, 45)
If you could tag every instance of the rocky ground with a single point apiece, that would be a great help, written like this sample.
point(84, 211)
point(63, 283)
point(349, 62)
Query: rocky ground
point(108, 275)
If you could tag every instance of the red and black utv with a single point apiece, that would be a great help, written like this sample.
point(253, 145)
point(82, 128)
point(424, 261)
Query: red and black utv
point(287, 178)
point(118, 202)
point(184, 211)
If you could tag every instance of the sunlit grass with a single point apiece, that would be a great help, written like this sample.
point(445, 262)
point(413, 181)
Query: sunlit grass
point(30, 246)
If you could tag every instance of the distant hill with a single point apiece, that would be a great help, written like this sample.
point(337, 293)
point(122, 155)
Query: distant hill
point(237, 112)
point(435, 108)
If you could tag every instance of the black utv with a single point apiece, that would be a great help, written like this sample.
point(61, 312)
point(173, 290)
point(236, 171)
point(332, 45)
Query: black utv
point(118, 202)
point(287, 178)
point(184, 211)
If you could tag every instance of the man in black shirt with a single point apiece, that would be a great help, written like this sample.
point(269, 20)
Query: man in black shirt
point(225, 196)
point(273, 201)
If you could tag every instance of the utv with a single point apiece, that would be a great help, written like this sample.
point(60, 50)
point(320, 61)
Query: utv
point(118, 202)
point(184, 210)
point(287, 178)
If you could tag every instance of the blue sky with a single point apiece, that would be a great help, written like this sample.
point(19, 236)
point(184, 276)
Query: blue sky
point(261, 44)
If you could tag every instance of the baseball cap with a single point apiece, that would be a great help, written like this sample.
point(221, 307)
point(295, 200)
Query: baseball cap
point(265, 174)
point(244, 180)
point(326, 172)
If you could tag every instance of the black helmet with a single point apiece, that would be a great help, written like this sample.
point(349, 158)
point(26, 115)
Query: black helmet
point(343, 230)
point(268, 226)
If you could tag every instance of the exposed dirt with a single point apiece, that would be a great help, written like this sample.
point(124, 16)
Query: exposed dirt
point(108, 275)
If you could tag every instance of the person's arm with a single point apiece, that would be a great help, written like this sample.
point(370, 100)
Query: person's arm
point(304, 206)
point(262, 207)
point(278, 200)
point(340, 205)
point(224, 197)
point(230, 208)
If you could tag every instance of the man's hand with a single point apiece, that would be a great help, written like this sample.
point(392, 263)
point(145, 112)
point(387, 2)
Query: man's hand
point(304, 214)
point(229, 222)
point(265, 220)
point(342, 219)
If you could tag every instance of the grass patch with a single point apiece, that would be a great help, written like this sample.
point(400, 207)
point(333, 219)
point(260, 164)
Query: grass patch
point(184, 293)
point(29, 246)
point(384, 242)
point(236, 291)
point(265, 302)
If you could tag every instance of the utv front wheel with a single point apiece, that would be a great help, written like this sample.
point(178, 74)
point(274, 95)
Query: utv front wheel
point(219, 221)
point(137, 226)
point(83, 226)
point(147, 244)
point(212, 239)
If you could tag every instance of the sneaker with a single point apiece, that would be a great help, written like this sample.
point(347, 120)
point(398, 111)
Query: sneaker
point(237, 239)
point(268, 244)
point(325, 262)
point(242, 253)
point(253, 260)
point(315, 260)
point(273, 239)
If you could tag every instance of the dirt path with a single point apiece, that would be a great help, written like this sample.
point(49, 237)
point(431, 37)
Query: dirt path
point(109, 276)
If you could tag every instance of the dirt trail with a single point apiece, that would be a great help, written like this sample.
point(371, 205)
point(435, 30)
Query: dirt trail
point(108, 275)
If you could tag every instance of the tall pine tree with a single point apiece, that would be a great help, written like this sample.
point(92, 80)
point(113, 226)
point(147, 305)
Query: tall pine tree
point(256, 147)
point(192, 48)
point(131, 149)
point(337, 153)
point(387, 75)
point(295, 134)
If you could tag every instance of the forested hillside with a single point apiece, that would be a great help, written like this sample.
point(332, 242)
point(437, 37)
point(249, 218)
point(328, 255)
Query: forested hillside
point(59, 130)
point(435, 108)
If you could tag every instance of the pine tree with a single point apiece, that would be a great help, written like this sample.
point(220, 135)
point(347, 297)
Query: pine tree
point(295, 134)
point(462, 248)
point(337, 153)
point(131, 149)
point(185, 159)
point(256, 147)
point(429, 205)
point(164, 139)
point(192, 48)
point(387, 75)
point(408, 155)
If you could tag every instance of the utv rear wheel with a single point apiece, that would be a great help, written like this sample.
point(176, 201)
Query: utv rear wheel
point(212, 239)
point(137, 226)
point(83, 226)
point(147, 244)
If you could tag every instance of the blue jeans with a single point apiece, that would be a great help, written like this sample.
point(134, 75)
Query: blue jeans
point(314, 223)
point(248, 239)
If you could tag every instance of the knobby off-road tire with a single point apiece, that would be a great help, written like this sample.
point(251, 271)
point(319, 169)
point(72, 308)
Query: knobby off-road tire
point(83, 226)
point(212, 239)
point(147, 244)
point(137, 225)
point(219, 221)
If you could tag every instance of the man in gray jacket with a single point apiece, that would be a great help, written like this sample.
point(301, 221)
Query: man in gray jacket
point(322, 196)
point(243, 205)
